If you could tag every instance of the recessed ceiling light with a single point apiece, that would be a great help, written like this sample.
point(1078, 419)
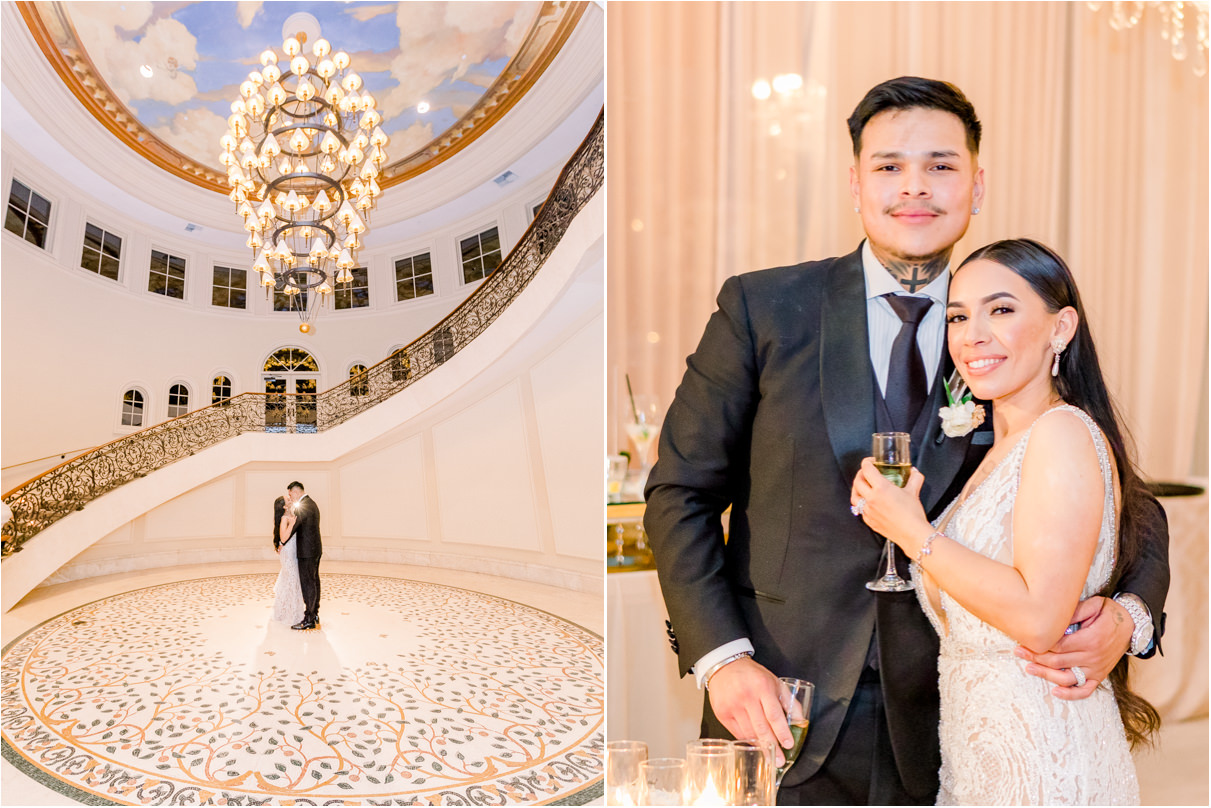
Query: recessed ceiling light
point(422, 107)
point(146, 71)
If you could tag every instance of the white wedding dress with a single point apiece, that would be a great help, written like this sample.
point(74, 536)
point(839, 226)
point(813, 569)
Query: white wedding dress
point(288, 605)
point(1005, 739)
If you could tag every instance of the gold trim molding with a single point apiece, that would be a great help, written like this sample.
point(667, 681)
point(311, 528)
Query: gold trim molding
point(51, 28)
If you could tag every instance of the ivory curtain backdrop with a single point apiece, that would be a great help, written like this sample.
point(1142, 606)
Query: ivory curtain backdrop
point(1095, 142)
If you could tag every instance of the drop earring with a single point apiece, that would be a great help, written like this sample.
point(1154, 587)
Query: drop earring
point(1057, 345)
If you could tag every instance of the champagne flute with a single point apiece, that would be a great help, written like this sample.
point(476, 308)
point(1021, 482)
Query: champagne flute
point(891, 453)
point(795, 695)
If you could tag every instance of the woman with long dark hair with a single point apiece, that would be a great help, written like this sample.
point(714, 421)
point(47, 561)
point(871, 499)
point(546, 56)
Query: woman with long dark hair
point(287, 592)
point(1048, 519)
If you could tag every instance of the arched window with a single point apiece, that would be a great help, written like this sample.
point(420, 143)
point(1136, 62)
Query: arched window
point(401, 365)
point(221, 390)
point(132, 408)
point(178, 400)
point(359, 382)
point(291, 360)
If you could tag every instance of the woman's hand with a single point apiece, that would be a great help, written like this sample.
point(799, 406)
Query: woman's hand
point(889, 510)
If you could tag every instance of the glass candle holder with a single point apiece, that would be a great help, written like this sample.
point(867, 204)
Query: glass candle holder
point(663, 781)
point(710, 772)
point(754, 772)
point(623, 786)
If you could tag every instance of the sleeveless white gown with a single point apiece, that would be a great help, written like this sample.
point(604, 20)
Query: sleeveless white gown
point(1005, 740)
point(288, 604)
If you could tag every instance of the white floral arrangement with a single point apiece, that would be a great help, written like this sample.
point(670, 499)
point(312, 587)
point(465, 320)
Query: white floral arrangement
point(963, 415)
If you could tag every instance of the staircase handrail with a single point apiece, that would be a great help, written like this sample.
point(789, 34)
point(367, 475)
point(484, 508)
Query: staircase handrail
point(68, 487)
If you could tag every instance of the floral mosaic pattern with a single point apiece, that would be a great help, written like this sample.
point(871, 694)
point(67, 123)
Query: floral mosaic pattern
point(467, 700)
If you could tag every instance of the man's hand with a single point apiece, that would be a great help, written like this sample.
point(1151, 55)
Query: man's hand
point(744, 696)
point(1104, 636)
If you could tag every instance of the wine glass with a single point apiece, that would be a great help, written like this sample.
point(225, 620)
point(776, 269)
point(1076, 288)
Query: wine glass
point(795, 695)
point(643, 427)
point(891, 453)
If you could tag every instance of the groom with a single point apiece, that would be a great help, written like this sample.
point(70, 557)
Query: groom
point(309, 549)
point(795, 370)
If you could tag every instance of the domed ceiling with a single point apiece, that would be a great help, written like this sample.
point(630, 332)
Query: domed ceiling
point(162, 75)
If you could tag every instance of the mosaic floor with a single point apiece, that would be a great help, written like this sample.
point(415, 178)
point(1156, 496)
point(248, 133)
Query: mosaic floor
point(410, 694)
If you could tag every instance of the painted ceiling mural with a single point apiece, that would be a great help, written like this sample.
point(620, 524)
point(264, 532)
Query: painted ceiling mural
point(439, 70)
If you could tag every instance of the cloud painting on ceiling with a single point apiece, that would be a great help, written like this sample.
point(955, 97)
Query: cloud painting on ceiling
point(177, 66)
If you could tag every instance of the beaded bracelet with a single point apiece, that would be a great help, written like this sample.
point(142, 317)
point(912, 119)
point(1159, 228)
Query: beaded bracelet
point(927, 548)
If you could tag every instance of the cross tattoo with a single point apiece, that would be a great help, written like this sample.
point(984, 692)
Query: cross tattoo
point(914, 275)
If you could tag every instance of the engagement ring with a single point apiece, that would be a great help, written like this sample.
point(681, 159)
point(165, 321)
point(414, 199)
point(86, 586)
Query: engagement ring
point(1080, 676)
point(857, 510)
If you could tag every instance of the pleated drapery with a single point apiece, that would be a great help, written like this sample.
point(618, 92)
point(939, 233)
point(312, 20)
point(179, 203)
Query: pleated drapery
point(1095, 142)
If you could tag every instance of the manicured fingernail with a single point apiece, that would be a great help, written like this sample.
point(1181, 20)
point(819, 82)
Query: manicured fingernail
point(1020, 652)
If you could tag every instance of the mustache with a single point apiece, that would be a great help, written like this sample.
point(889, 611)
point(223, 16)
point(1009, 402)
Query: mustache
point(925, 206)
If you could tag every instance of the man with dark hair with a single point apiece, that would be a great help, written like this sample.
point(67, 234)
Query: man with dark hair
point(794, 372)
point(309, 549)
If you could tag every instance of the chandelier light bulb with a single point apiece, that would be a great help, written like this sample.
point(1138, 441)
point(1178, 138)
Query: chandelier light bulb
point(256, 105)
point(326, 69)
point(333, 96)
point(378, 137)
point(268, 57)
point(328, 164)
point(299, 141)
point(322, 203)
point(270, 73)
point(292, 46)
point(277, 94)
point(256, 78)
point(254, 240)
point(321, 48)
point(247, 88)
point(341, 60)
point(299, 65)
point(270, 147)
point(351, 82)
point(226, 158)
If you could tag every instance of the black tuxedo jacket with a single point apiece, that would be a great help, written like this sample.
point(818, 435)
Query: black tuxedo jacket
point(307, 529)
point(773, 418)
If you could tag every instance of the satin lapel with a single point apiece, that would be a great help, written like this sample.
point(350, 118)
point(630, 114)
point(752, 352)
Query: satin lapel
point(847, 385)
point(940, 457)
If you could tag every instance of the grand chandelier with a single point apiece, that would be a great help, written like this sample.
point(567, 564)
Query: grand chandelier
point(303, 150)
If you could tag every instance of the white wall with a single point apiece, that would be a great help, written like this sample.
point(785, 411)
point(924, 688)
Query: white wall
point(492, 463)
point(77, 341)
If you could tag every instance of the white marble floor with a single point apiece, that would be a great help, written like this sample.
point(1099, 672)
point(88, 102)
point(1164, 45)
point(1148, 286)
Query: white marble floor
point(225, 631)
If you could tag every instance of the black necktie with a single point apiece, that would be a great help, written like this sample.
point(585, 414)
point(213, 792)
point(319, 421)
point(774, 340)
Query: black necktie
point(906, 385)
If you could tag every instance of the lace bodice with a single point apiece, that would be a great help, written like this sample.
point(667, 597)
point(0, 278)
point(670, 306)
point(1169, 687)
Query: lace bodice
point(1005, 739)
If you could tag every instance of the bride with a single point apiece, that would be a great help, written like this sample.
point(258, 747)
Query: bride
point(287, 594)
point(1033, 532)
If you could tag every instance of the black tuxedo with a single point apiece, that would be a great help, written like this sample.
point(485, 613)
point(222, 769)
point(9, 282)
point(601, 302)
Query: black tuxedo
point(773, 418)
point(309, 548)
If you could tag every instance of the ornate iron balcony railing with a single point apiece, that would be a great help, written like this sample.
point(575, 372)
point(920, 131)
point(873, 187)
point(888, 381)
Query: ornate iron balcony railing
point(69, 486)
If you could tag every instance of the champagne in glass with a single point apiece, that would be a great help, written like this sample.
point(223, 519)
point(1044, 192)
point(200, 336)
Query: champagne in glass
point(796, 698)
point(891, 454)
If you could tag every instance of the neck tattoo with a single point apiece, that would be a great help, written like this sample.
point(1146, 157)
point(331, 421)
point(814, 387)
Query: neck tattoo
point(915, 275)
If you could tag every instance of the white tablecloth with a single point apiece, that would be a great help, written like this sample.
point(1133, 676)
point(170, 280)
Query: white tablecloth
point(647, 702)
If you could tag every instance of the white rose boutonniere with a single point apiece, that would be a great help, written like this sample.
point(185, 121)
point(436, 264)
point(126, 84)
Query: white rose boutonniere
point(963, 414)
